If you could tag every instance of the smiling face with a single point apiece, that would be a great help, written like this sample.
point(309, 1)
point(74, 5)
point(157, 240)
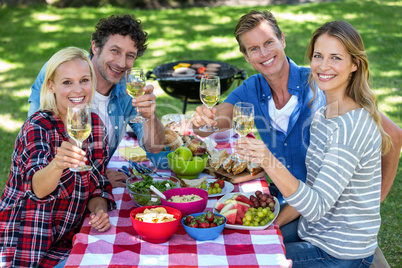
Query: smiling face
point(71, 85)
point(117, 55)
point(331, 65)
point(264, 51)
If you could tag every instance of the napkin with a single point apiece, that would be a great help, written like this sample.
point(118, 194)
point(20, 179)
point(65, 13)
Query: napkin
point(137, 154)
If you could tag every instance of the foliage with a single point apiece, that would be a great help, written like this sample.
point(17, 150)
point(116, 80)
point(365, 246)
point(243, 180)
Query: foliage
point(30, 35)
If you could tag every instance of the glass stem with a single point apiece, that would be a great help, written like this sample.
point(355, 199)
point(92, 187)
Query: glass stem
point(79, 144)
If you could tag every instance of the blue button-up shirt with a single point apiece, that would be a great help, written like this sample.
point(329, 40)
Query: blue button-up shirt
point(290, 148)
point(119, 109)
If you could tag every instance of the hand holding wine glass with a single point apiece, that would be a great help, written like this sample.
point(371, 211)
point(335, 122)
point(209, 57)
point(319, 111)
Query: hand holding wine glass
point(210, 91)
point(79, 127)
point(243, 120)
point(135, 83)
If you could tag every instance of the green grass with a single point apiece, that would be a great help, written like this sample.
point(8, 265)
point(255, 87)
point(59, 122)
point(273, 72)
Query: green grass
point(29, 36)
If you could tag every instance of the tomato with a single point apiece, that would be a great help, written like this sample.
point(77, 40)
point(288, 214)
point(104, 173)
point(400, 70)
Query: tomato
point(201, 70)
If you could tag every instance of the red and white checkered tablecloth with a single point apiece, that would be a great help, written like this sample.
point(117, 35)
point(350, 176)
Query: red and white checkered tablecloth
point(120, 246)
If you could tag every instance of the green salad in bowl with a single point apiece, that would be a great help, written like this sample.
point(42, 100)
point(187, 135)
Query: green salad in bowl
point(138, 187)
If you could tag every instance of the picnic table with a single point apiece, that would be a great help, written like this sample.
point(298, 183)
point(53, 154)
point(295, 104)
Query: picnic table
point(121, 246)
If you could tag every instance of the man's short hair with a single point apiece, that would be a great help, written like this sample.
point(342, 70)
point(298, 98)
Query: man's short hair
point(250, 21)
point(121, 25)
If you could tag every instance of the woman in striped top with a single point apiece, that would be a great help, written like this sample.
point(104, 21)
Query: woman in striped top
point(335, 214)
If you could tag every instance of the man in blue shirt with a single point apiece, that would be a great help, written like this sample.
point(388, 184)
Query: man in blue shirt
point(280, 94)
point(117, 42)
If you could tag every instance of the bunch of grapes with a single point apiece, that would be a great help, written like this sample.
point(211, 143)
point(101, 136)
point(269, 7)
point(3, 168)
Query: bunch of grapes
point(261, 210)
point(258, 216)
point(213, 187)
point(263, 200)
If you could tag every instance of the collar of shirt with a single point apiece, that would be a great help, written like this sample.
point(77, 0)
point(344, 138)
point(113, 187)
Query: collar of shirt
point(295, 83)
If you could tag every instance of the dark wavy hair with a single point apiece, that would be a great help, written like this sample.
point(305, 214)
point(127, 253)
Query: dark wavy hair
point(121, 25)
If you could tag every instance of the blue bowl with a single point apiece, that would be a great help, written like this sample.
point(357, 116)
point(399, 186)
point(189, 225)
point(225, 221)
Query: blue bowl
point(159, 160)
point(203, 234)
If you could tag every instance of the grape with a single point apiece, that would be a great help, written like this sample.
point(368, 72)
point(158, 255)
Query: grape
point(261, 211)
point(258, 193)
point(256, 204)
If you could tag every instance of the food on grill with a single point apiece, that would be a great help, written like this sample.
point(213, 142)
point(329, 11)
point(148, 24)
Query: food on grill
point(183, 71)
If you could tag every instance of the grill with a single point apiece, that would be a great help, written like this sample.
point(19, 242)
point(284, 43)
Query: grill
point(187, 88)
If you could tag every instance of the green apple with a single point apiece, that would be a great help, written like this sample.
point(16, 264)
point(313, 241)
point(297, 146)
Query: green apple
point(183, 153)
point(197, 158)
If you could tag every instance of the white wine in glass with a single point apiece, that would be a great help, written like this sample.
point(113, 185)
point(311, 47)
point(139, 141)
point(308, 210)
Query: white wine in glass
point(79, 127)
point(243, 121)
point(135, 83)
point(210, 92)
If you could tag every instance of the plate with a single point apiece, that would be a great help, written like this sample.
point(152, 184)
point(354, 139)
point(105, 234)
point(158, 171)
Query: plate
point(252, 228)
point(228, 188)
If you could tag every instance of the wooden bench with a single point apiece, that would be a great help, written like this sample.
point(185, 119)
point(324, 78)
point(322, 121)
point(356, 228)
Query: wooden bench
point(379, 260)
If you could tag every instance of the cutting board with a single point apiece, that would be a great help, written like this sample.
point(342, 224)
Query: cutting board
point(242, 177)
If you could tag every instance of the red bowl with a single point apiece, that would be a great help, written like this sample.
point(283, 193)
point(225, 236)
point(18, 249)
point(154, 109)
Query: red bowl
point(190, 207)
point(155, 232)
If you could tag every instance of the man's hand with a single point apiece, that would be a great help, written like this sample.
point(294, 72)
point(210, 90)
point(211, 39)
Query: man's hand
point(203, 115)
point(146, 104)
point(116, 178)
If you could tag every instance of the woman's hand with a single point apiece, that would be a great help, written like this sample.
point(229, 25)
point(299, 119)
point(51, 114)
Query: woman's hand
point(146, 103)
point(255, 151)
point(99, 219)
point(69, 155)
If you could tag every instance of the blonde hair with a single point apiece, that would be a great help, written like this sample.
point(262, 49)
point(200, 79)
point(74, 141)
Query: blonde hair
point(47, 98)
point(359, 88)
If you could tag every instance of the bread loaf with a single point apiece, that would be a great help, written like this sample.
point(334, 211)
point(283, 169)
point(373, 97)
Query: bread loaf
point(172, 139)
point(216, 158)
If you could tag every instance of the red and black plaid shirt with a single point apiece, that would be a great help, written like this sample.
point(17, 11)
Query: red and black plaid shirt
point(38, 232)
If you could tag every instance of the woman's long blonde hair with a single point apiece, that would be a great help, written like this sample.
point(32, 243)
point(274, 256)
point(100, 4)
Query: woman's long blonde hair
point(47, 98)
point(359, 88)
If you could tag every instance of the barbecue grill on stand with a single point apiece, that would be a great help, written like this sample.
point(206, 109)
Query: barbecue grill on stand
point(187, 88)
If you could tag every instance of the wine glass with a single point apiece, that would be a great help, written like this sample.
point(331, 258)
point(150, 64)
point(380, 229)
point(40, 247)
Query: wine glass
point(135, 83)
point(210, 91)
point(243, 121)
point(79, 127)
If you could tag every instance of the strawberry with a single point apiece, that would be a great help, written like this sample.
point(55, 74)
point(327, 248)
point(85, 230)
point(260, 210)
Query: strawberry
point(189, 219)
point(213, 224)
point(221, 183)
point(209, 216)
point(219, 220)
point(193, 224)
point(204, 224)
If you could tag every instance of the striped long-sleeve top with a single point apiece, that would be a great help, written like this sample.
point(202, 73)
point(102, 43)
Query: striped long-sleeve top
point(340, 201)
